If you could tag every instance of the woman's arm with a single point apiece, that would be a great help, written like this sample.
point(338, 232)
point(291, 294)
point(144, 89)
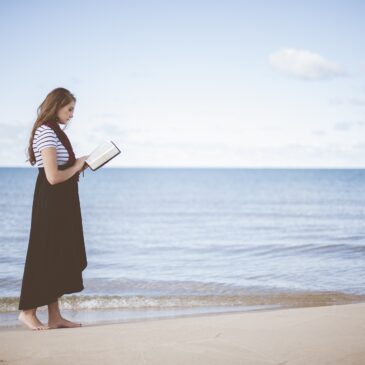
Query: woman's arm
point(55, 176)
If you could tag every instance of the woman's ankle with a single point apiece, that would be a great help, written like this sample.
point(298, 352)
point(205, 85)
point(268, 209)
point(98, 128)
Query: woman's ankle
point(54, 311)
point(54, 315)
point(28, 312)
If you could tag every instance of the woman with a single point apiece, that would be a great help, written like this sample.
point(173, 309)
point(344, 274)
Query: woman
point(56, 253)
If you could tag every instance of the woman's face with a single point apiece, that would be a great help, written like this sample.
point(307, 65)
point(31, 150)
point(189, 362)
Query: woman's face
point(66, 113)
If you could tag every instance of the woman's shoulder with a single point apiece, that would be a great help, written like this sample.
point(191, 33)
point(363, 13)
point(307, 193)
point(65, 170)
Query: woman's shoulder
point(45, 129)
point(45, 135)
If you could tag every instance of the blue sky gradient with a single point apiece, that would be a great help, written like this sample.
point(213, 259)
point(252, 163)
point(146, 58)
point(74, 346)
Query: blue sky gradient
point(191, 83)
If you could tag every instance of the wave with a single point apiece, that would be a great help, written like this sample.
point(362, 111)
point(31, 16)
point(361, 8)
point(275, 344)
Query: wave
point(308, 248)
point(135, 302)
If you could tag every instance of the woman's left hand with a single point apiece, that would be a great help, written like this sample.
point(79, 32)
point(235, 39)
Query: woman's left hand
point(84, 167)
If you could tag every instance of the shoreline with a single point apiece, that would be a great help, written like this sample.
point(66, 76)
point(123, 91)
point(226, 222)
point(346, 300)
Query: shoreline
point(107, 316)
point(142, 318)
point(308, 335)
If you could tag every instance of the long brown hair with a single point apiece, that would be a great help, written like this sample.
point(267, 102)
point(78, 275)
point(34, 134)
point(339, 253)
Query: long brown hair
point(47, 112)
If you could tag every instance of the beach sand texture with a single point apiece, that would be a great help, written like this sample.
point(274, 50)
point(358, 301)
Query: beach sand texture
point(309, 336)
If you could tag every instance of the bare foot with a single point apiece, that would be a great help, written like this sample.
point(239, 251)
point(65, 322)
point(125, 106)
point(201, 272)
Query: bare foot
point(31, 321)
point(63, 323)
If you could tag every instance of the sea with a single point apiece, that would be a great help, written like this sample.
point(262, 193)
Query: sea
point(171, 242)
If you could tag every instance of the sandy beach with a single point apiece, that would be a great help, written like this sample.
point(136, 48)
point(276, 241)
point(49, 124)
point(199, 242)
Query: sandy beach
point(313, 335)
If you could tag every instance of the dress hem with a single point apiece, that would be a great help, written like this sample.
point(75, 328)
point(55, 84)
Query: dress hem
point(49, 301)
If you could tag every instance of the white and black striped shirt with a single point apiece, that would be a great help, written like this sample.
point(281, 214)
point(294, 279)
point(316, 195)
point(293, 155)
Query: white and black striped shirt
point(46, 137)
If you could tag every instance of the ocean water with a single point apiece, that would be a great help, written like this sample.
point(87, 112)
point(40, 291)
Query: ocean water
point(177, 241)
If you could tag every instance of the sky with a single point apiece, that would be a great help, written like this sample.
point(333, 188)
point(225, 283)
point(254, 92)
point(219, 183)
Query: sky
point(190, 83)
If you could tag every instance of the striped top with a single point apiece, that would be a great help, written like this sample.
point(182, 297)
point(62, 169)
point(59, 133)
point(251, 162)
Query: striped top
point(46, 137)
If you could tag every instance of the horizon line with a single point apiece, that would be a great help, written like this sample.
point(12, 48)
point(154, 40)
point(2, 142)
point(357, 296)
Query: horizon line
point(216, 167)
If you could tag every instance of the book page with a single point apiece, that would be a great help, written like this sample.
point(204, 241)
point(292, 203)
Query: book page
point(101, 154)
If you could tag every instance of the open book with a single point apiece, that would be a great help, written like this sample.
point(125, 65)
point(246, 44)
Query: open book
point(102, 154)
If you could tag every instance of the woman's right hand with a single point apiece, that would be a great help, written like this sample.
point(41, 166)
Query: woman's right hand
point(80, 163)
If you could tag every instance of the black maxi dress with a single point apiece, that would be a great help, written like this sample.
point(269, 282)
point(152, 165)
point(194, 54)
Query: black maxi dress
point(56, 253)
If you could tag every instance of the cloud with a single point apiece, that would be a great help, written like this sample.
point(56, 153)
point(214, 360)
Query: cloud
point(358, 101)
point(345, 126)
point(300, 155)
point(319, 132)
point(354, 100)
point(304, 65)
